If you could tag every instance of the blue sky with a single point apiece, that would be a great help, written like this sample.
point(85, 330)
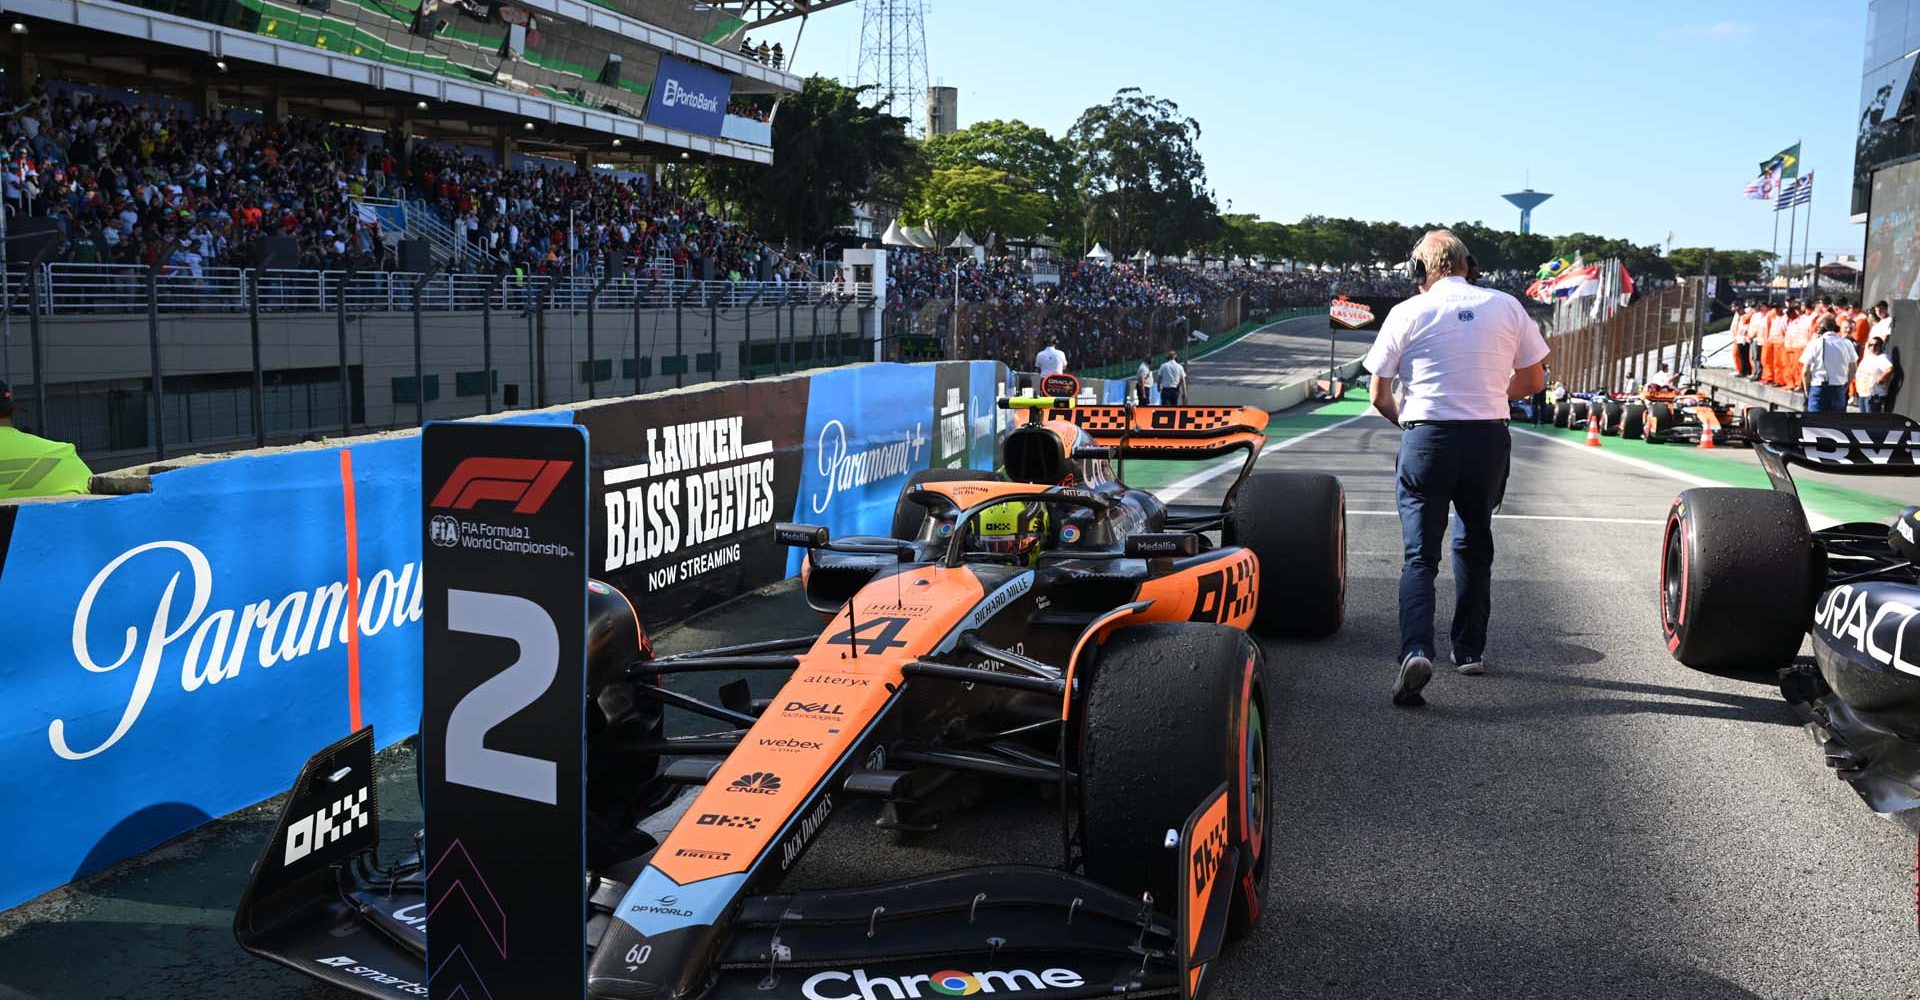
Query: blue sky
point(1640, 117)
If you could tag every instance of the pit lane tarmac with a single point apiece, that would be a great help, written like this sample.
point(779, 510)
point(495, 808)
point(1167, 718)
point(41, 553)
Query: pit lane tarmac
point(1590, 819)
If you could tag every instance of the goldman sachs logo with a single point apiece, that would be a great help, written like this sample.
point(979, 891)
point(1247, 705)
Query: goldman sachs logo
point(676, 96)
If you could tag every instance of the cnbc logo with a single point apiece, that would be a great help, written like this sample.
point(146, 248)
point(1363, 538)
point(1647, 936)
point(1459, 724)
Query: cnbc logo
point(757, 783)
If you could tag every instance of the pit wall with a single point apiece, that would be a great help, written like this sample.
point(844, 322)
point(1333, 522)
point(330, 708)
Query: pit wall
point(175, 655)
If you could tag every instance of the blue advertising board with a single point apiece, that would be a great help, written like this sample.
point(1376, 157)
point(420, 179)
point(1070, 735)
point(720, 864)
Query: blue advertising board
point(868, 429)
point(176, 655)
point(688, 97)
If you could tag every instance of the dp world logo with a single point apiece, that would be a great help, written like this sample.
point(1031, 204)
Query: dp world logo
point(444, 530)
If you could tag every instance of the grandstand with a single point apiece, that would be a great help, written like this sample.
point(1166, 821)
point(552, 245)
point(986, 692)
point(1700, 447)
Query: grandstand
point(220, 212)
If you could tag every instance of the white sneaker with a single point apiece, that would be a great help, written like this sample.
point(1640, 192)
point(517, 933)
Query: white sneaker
point(1471, 668)
point(1415, 672)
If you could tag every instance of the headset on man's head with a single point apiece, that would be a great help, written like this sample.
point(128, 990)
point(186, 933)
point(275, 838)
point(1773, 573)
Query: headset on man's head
point(1417, 268)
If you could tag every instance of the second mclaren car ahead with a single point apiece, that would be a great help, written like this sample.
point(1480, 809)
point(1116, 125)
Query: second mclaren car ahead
point(1048, 627)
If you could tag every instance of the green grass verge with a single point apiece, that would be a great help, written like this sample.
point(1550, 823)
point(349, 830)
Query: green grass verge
point(1126, 369)
point(1837, 502)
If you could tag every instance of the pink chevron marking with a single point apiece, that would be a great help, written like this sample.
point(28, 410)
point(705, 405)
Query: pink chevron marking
point(500, 939)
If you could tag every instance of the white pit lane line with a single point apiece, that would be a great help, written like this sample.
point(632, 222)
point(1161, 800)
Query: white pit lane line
point(1816, 520)
point(1531, 517)
point(1182, 487)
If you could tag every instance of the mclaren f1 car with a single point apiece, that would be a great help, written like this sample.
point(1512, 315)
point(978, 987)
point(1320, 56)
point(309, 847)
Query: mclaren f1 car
point(1743, 580)
point(1043, 625)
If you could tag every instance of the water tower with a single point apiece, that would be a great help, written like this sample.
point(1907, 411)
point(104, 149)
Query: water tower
point(1526, 201)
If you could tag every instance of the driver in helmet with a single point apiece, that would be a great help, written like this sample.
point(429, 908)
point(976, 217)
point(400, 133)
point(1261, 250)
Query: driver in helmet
point(1019, 530)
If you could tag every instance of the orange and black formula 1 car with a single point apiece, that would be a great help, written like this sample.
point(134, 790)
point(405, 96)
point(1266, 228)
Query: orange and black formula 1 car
point(1047, 626)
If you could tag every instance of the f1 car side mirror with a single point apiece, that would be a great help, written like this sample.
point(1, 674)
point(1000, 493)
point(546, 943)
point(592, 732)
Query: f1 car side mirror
point(1161, 546)
point(800, 536)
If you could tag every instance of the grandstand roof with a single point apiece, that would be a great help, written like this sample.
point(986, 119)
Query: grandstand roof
point(369, 62)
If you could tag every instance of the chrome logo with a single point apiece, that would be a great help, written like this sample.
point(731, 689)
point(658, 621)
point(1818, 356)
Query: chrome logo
point(1069, 533)
point(951, 983)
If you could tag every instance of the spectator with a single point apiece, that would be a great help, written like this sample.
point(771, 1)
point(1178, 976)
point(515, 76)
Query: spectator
point(1873, 377)
point(1172, 380)
point(1143, 384)
point(33, 466)
point(1827, 362)
point(1050, 360)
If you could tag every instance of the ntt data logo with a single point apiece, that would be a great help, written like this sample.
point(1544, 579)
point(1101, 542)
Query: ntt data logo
point(859, 985)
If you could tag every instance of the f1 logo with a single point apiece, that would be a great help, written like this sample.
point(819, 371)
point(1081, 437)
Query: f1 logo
point(524, 482)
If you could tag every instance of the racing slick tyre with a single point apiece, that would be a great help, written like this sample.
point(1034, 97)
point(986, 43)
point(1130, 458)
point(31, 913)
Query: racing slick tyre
point(1562, 412)
point(1736, 579)
point(1173, 711)
point(1659, 422)
point(1611, 414)
point(909, 517)
point(1577, 416)
point(1633, 420)
point(1295, 523)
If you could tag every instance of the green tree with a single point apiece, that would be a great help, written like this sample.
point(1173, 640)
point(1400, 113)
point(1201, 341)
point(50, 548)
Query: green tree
point(980, 200)
point(1024, 152)
point(832, 148)
point(1740, 265)
point(1142, 176)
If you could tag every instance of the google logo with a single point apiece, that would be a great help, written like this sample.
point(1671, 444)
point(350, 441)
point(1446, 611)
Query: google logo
point(951, 983)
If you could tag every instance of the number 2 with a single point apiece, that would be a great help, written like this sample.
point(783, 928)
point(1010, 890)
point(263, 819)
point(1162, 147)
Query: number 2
point(469, 761)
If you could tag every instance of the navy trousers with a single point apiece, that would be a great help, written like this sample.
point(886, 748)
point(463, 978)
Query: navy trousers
point(1462, 467)
point(1827, 399)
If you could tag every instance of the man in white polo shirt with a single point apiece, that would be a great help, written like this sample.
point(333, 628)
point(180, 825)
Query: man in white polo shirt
point(1051, 360)
point(1457, 354)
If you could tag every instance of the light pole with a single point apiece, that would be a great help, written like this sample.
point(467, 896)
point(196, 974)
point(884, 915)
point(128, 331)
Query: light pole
point(965, 245)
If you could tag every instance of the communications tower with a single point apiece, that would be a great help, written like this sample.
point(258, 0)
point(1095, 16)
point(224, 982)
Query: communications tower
point(1526, 201)
point(893, 57)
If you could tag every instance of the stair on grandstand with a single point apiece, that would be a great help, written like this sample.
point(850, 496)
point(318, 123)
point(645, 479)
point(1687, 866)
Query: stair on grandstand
point(416, 220)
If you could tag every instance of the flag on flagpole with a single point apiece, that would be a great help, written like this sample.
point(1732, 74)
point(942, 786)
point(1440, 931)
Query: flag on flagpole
point(1786, 161)
point(1766, 187)
point(1800, 192)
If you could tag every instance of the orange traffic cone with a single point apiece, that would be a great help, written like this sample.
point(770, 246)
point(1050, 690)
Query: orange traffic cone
point(1706, 438)
point(1593, 430)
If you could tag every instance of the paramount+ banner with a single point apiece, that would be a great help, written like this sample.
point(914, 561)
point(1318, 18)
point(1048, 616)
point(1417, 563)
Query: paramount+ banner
point(1360, 312)
point(174, 656)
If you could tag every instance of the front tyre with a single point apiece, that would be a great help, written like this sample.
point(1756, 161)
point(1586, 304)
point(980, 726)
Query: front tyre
point(1172, 711)
point(1295, 523)
point(1736, 579)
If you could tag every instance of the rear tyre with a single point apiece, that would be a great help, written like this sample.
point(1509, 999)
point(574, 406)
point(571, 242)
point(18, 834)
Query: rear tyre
point(1295, 523)
point(1659, 422)
point(1736, 579)
point(1577, 416)
point(1633, 420)
point(1562, 412)
point(1172, 711)
point(910, 517)
point(1610, 420)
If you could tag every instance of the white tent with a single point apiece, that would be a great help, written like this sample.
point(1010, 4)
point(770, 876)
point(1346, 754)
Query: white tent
point(962, 242)
point(1100, 253)
point(895, 236)
point(918, 236)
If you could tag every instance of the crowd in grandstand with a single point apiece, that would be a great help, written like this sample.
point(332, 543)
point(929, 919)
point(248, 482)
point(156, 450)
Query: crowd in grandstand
point(149, 184)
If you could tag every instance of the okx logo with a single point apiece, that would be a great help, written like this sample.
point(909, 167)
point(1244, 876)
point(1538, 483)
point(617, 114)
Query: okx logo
point(329, 825)
point(526, 483)
point(757, 783)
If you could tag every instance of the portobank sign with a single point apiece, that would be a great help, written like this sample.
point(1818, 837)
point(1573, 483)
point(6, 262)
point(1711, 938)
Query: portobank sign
point(179, 639)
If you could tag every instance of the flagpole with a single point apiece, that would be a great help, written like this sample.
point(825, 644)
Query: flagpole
point(1793, 223)
point(1776, 242)
point(1806, 251)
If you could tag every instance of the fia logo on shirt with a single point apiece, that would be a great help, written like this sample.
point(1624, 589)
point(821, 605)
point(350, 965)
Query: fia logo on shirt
point(1464, 315)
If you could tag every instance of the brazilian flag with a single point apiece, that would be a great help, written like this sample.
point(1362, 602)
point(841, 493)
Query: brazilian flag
point(1787, 161)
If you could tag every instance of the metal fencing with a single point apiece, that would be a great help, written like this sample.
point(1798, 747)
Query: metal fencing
point(100, 289)
point(132, 367)
point(1660, 329)
point(1091, 336)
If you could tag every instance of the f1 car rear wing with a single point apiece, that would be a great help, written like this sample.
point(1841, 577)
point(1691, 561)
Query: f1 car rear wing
point(1849, 444)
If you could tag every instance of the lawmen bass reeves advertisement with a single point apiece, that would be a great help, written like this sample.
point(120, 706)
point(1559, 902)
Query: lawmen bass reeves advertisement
point(687, 488)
